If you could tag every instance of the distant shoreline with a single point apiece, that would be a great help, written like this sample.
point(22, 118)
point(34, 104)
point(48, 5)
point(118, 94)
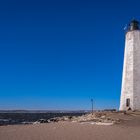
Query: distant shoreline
point(44, 111)
point(52, 111)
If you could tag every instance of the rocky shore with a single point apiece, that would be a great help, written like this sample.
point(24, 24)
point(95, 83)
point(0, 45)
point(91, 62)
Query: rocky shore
point(98, 118)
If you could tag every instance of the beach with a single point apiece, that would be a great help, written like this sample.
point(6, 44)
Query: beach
point(65, 130)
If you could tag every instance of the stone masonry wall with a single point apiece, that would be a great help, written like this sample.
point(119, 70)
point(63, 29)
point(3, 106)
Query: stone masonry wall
point(131, 71)
point(136, 71)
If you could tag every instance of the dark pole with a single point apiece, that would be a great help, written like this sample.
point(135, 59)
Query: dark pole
point(92, 105)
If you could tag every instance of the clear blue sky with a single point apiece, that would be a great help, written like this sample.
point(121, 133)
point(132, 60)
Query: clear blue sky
point(59, 54)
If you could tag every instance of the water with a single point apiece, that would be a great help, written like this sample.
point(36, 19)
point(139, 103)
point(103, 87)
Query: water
point(27, 118)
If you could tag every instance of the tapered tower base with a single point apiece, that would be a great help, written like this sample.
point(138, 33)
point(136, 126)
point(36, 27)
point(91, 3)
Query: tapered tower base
point(130, 94)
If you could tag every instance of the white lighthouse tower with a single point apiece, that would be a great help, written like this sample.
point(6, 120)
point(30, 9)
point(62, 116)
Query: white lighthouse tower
point(130, 93)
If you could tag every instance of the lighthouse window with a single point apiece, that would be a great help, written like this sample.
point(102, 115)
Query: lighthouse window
point(128, 102)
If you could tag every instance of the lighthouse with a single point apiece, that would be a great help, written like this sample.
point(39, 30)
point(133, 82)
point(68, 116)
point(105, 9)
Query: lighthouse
point(130, 92)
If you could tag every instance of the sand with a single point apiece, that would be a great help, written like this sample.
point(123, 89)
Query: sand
point(128, 130)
